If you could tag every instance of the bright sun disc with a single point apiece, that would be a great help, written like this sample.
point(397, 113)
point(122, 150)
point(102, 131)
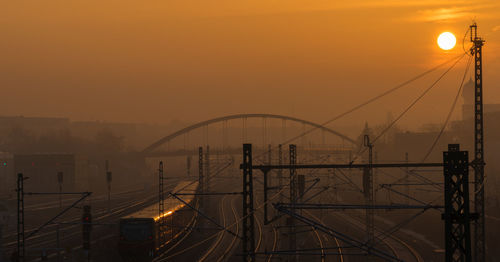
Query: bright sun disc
point(446, 41)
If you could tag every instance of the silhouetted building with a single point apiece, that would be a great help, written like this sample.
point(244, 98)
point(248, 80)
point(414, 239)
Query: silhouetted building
point(42, 170)
point(7, 176)
point(36, 124)
point(468, 105)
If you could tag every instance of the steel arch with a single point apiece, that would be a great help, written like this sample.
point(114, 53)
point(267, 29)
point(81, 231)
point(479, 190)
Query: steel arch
point(240, 116)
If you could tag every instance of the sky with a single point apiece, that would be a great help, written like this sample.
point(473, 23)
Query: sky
point(190, 60)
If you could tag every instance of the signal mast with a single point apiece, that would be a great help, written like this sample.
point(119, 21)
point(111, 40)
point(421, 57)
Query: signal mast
point(478, 162)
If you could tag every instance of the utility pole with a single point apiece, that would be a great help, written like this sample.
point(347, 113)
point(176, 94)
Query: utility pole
point(188, 165)
point(60, 182)
point(86, 228)
point(280, 171)
point(109, 178)
point(375, 179)
point(248, 216)
point(161, 203)
point(266, 184)
point(368, 190)
point(207, 170)
point(478, 163)
point(292, 238)
point(20, 218)
point(200, 174)
point(407, 180)
point(269, 157)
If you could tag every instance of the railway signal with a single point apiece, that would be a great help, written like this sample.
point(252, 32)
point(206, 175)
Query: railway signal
point(301, 184)
point(44, 256)
point(109, 179)
point(86, 227)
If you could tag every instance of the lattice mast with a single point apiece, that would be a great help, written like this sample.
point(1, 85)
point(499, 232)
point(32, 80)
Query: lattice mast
point(478, 163)
point(161, 203)
point(248, 242)
point(292, 238)
point(20, 218)
point(456, 198)
point(368, 190)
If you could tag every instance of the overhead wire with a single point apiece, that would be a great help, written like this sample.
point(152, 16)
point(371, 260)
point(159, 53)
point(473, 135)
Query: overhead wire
point(373, 99)
point(410, 106)
point(353, 109)
point(400, 225)
point(452, 109)
point(443, 127)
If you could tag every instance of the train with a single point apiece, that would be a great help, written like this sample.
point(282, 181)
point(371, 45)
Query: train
point(141, 235)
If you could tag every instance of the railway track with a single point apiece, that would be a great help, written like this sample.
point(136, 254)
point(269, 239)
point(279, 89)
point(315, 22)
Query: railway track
point(337, 242)
point(100, 201)
point(220, 235)
point(401, 250)
point(275, 244)
point(221, 249)
point(214, 251)
point(320, 241)
point(183, 236)
point(233, 242)
point(74, 222)
point(71, 228)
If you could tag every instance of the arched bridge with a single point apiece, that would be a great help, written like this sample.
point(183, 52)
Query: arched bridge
point(241, 116)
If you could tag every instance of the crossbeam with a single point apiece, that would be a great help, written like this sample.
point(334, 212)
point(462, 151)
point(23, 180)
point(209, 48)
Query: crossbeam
point(208, 194)
point(344, 166)
point(343, 207)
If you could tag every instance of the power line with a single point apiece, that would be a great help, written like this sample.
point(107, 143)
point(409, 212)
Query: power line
point(452, 109)
point(411, 105)
point(373, 99)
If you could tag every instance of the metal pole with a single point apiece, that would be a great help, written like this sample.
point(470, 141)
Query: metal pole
point(375, 178)
point(368, 188)
point(108, 180)
point(269, 156)
point(244, 130)
point(266, 184)
point(406, 179)
point(200, 173)
point(207, 169)
point(60, 182)
point(20, 217)
point(478, 163)
point(161, 203)
point(188, 164)
point(248, 216)
point(293, 199)
point(280, 171)
point(266, 221)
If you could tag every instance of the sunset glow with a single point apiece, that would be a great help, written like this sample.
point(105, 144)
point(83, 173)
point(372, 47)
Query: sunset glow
point(446, 41)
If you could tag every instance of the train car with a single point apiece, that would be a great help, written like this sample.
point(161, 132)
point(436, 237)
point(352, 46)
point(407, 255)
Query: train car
point(141, 237)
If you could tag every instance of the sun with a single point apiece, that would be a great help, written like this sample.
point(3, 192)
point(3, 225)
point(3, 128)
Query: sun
point(446, 41)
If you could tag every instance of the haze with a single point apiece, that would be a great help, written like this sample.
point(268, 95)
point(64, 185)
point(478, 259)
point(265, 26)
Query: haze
point(158, 61)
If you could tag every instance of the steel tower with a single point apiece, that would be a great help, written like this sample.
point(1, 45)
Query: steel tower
point(478, 163)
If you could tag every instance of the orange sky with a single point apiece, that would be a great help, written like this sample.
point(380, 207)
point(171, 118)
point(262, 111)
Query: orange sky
point(155, 61)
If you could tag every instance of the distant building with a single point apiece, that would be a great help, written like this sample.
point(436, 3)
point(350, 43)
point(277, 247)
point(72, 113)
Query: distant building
point(42, 170)
point(468, 105)
point(36, 124)
point(7, 178)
